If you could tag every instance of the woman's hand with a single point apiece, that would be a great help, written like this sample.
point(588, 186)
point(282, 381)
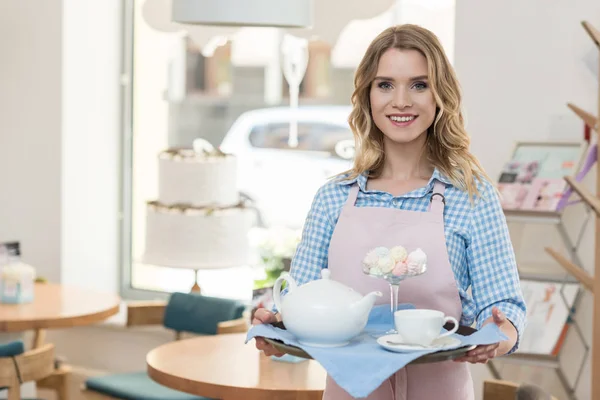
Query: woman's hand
point(483, 353)
point(264, 316)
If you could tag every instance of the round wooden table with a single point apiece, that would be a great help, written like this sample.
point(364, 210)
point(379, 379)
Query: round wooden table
point(57, 306)
point(224, 367)
point(54, 306)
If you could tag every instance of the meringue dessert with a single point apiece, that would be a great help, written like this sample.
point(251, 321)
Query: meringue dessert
point(395, 262)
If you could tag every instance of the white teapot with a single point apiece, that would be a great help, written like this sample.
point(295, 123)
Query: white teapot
point(323, 312)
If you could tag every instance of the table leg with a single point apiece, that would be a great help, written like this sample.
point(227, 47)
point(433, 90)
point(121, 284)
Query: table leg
point(39, 336)
point(277, 396)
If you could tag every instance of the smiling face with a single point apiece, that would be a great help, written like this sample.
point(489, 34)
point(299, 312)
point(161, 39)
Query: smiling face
point(402, 102)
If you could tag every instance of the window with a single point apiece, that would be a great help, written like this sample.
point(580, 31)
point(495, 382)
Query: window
point(208, 75)
point(311, 136)
point(184, 87)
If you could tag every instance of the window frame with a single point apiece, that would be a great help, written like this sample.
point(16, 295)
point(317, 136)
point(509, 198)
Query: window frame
point(126, 289)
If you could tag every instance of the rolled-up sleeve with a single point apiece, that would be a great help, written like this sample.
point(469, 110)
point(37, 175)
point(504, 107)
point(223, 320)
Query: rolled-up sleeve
point(492, 265)
point(313, 250)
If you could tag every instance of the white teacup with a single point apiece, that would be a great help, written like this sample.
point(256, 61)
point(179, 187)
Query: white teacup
point(422, 327)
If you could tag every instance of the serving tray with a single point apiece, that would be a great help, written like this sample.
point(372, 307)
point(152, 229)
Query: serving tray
point(442, 355)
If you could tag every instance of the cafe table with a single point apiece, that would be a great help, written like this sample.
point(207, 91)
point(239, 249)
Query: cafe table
point(54, 306)
point(58, 306)
point(224, 367)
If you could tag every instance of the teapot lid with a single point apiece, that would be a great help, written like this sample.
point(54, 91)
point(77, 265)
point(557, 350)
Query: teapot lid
point(330, 292)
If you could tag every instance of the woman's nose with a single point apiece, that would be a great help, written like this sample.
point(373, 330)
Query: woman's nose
point(402, 99)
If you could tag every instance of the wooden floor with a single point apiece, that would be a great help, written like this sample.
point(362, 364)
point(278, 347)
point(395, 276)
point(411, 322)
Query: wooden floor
point(545, 377)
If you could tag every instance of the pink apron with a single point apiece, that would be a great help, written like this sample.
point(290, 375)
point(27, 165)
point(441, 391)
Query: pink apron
point(360, 229)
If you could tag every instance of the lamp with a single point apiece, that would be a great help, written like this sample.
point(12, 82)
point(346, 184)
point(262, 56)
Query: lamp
point(271, 13)
point(327, 18)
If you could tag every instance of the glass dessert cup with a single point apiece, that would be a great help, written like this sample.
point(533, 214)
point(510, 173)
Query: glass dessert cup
point(394, 265)
point(394, 283)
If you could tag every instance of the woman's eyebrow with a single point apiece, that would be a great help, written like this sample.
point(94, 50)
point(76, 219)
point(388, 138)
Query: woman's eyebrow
point(387, 78)
point(383, 78)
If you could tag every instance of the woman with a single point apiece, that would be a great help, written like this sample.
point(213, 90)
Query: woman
point(414, 183)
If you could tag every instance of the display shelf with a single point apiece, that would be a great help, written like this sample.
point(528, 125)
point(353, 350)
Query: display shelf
point(588, 118)
point(590, 199)
point(576, 271)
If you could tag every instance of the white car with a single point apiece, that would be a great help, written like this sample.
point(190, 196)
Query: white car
point(282, 180)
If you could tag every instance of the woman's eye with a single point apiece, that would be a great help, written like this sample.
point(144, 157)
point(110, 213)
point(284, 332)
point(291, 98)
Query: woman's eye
point(384, 85)
point(420, 85)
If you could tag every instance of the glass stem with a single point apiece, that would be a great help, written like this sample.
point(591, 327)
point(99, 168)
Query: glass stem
point(393, 299)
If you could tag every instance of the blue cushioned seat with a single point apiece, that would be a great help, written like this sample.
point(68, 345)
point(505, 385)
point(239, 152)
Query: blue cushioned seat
point(192, 313)
point(135, 386)
point(12, 349)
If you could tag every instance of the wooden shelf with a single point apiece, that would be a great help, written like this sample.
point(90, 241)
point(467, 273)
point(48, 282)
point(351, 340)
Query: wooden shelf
point(545, 360)
point(585, 194)
point(553, 274)
point(589, 119)
point(593, 32)
point(592, 281)
point(529, 216)
point(580, 274)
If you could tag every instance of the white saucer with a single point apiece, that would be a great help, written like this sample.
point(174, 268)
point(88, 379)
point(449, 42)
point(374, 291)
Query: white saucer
point(444, 343)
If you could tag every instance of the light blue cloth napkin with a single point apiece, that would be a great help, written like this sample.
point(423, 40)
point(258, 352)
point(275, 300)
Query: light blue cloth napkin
point(361, 366)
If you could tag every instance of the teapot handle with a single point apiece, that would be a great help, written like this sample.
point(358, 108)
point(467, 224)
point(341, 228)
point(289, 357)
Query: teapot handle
point(277, 289)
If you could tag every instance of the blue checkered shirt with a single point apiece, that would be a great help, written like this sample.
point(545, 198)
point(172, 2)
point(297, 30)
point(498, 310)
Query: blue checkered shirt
point(477, 238)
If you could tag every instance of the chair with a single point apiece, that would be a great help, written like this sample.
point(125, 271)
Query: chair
point(504, 390)
point(18, 366)
point(58, 381)
point(184, 313)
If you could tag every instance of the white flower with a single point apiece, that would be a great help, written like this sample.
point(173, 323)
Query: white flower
point(277, 241)
point(257, 237)
point(386, 264)
point(398, 253)
point(376, 271)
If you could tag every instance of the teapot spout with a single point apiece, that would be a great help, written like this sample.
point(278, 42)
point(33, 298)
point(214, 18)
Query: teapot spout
point(363, 307)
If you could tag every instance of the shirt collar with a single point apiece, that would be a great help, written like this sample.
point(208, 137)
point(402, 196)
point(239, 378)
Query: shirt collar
point(361, 180)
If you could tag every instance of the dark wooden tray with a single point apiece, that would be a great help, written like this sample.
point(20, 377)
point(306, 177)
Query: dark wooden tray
point(444, 355)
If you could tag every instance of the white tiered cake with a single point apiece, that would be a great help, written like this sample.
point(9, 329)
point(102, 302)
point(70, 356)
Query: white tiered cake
point(199, 220)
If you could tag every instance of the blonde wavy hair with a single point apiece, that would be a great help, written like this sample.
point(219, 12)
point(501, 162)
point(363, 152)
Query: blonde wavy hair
point(447, 141)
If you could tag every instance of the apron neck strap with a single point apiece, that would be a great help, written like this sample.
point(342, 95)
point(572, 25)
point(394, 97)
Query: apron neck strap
point(437, 201)
point(352, 195)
